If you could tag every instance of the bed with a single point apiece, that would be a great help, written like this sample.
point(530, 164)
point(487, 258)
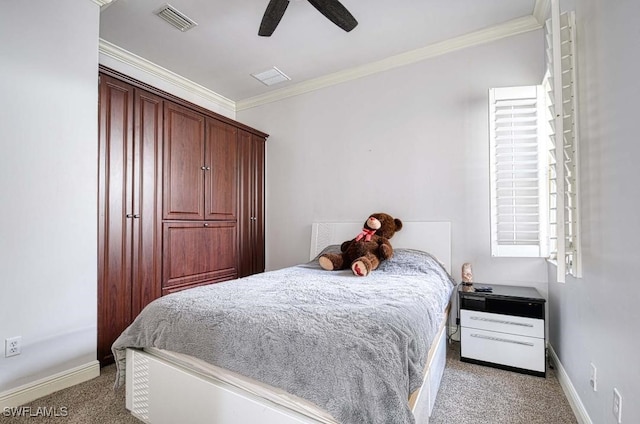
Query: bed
point(298, 345)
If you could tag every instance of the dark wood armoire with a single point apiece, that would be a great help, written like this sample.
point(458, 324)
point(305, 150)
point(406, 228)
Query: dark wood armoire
point(180, 200)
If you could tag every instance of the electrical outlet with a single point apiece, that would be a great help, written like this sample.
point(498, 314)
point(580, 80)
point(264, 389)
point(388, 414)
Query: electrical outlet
point(12, 346)
point(617, 405)
point(592, 380)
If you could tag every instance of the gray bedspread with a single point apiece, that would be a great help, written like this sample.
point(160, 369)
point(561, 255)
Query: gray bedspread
point(354, 346)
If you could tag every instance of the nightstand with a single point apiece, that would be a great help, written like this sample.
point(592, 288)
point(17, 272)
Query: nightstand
point(504, 328)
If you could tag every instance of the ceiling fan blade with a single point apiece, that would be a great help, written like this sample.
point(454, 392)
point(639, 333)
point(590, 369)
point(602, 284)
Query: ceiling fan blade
point(336, 13)
point(272, 16)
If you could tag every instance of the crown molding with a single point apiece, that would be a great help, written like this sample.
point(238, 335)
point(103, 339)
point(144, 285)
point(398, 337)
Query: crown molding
point(494, 33)
point(102, 2)
point(128, 58)
point(541, 11)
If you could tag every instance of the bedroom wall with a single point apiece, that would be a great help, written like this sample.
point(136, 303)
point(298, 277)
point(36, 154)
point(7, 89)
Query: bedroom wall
point(412, 141)
point(48, 180)
point(595, 319)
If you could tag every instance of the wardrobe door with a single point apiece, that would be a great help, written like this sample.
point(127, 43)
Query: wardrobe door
point(258, 160)
point(130, 207)
point(197, 253)
point(251, 203)
point(147, 200)
point(184, 167)
point(221, 174)
point(115, 199)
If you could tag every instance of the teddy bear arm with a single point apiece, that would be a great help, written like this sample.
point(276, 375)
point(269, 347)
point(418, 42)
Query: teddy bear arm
point(385, 250)
point(345, 245)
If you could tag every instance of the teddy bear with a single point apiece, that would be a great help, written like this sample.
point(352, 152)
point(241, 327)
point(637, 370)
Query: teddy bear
point(364, 253)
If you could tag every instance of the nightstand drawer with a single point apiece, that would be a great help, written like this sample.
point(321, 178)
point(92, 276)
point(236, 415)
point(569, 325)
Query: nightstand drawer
point(502, 323)
point(505, 349)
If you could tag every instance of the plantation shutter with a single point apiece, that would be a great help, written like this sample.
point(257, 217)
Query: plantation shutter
point(518, 175)
point(560, 82)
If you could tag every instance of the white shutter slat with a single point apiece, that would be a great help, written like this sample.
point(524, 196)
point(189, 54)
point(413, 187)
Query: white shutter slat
point(515, 163)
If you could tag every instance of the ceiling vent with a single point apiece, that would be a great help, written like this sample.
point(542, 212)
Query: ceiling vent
point(271, 76)
point(175, 18)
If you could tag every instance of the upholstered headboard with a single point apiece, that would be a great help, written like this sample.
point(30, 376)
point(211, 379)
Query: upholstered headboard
point(430, 236)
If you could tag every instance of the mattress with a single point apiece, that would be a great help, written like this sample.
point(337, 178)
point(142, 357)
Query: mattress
point(355, 347)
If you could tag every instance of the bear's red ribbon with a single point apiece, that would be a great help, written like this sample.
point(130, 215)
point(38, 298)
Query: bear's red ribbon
point(366, 234)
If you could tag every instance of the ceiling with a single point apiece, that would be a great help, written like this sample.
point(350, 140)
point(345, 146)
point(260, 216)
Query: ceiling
point(224, 49)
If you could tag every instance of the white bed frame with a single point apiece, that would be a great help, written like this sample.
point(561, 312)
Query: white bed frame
point(163, 391)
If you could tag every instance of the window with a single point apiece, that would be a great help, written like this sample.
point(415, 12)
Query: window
point(518, 174)
point(534, 160)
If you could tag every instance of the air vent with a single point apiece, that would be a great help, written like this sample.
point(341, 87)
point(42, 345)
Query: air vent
point(271, 76)
point(175, 18)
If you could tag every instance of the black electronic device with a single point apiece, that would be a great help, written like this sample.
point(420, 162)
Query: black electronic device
point(484, 289)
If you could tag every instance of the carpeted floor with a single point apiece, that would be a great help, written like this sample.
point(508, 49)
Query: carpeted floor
point(470, 394)
point(475, 394)
point(92, 402)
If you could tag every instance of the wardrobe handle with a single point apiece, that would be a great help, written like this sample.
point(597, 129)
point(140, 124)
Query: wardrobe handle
point(204, 168)
point(206, 225)
point(131, 215)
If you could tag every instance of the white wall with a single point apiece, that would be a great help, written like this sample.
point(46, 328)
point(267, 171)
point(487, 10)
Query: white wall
point(595, 319)
point(412, 142)
point(48, 180)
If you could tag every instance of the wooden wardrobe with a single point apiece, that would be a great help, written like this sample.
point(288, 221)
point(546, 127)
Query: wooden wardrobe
point(180, 200)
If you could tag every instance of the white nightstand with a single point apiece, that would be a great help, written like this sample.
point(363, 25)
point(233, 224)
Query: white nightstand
point(504, 328)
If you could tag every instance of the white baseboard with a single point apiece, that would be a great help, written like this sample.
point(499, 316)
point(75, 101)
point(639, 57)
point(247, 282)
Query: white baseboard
point(43, 387)
point(567, 386)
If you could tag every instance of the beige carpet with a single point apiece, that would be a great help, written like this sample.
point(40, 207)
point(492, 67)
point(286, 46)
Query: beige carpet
point(469, 394)
point(92, 402)
point(475, 394)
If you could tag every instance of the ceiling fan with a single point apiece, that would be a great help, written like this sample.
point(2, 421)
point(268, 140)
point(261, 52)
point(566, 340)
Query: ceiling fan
point(332, 9)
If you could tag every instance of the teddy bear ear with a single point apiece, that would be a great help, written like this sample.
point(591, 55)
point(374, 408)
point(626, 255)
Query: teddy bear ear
point(398, 224)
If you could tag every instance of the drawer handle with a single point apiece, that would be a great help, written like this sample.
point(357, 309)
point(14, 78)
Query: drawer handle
point(522, 324)
point(497, 339)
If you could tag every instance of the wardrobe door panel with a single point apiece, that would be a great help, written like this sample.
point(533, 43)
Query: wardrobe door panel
point(115, 179)
point(245, 216)
point(198, 252)
point(259, 145)
point(251, 203)
point(221, 173)
point(147, 207)
point(184, 168)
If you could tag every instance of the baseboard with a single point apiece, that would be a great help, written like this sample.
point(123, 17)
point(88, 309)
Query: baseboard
point(43, 387)
point(567, 386)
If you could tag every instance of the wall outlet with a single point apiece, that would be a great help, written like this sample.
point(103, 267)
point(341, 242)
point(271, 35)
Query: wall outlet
point(617, 405)
point(592, 380)
point(12, 346)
